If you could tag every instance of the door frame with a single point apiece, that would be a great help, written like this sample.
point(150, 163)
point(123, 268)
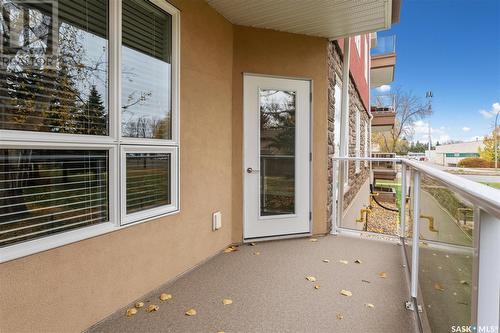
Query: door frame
point(311, 158)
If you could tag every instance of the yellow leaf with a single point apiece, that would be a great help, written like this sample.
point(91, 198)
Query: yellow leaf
point(383, 275)
point(311, 278)
point(326, 260)
point(139, 305)
point(220, 332)
point(231, 248)
point(131, 312)
point(165, 297)
point(313, 239)
point(345, 262)
point(191, 312)
point(256, 253)
point(227, 301)
point(345, 293)
point(317, 286)
point(437, 286)
point(339, 316)
point(152, 308)
point(369, 305)
point(464, 282)
point(252, 244)
point(357, 261)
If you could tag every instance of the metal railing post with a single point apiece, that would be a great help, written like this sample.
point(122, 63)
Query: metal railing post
point(415, 234)
point(402, 217)
point(335, 209)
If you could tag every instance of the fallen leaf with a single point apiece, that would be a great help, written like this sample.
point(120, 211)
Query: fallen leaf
point(227, 301)
point(230, 249)
point(313, 239)
point(463, 303)
point(311, 278)
point(454, 293)
point(345, 293)
point(365, 281)
point(139, 305)
point(220, 332)
point(339, 316)
point(437, 286)
point(439, 267)
point(191, 312)
point(317, 286)
point(447, 256)
point(464, 282)
point(383, 275)
point(434, 254)
point(369, 305)
point(344, 262)
point(357, 261)
point(131, 312)
point(252, 244)
point(152, 308)
point(165, 297)
point(256, 253)
point(326, 260)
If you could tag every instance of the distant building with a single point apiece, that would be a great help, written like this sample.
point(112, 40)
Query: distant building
point(452, 154)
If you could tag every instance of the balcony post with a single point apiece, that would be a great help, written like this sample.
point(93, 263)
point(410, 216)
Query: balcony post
point(402, 216)
point(415, 234)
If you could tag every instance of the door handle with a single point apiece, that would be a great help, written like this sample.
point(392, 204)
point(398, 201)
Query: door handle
point(250, 170)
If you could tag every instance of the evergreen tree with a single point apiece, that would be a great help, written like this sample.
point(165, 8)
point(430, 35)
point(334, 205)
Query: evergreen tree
point(92, 118)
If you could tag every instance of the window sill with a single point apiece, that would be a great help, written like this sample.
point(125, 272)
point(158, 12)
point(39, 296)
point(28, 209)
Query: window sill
point(27, 248)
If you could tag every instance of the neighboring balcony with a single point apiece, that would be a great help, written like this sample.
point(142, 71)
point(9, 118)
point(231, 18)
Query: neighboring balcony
point(383, 112)
point(383, 61)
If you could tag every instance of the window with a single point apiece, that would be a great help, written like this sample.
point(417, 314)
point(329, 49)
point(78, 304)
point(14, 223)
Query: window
point(71, 119)
point(358, 140)
point(357, 41)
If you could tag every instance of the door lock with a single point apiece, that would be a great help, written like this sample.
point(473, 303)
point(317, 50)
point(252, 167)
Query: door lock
point(250, 170)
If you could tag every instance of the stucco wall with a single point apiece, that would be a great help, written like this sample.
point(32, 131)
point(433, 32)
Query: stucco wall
point(69, 288)
point(282, 54)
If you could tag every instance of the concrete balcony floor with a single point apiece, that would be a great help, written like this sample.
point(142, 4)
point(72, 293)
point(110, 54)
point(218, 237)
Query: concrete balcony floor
point(270, 292)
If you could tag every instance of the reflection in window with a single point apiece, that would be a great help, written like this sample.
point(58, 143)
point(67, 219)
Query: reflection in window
point(54, 66)
point(148, 181)
point(146, 71)
point(277, 152)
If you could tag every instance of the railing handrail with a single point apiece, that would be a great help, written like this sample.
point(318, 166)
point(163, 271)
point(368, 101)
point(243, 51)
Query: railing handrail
point(481, 195)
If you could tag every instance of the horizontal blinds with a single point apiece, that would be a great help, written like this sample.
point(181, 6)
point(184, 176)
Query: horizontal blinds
point(43, 192)
point(55, 67)
point(147, 29)
point(148, 181)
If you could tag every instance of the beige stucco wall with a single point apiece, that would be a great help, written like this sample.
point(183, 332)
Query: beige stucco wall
point(282, 54)
point(71, 287)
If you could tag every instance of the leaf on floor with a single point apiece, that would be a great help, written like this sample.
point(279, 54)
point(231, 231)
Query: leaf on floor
point(326, 260)
point(383, 275)
point(220, 332)
point(447, 256)
point(317, 286)
point(345, 262)
point(440, 267)
point(346, 293)
point(191, 312)
point(438, 286)
point(230, 249)
point(256, 253)
point(434, 254)
point(252, 244)
point(131, 312)
point(165, 297)
point(340, 316)
point(369, 305)
point(463, 303)
point(311, 278)
point(465, 283)
point(365, 281)
point(313, 239)
point(152, 308)
point(357, 261)
point(227, 301)
point(139, 305)
point(454, 293)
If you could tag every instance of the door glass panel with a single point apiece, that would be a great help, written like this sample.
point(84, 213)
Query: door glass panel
point(277, 152)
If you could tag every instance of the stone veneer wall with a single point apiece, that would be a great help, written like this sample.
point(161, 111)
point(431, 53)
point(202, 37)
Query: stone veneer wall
point(355, 180)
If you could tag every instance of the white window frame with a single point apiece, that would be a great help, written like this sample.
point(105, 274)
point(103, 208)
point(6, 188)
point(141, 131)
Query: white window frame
point(114, 143)
point(357, 41)
point(358, 140)
point(174, 186)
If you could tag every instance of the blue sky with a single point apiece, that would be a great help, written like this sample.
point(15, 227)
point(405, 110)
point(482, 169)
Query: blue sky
point(451, 47)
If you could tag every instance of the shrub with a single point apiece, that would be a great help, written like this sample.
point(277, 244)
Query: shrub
point(475, 162)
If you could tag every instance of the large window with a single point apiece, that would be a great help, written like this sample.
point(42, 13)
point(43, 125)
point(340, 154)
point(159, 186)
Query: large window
point(72, 119)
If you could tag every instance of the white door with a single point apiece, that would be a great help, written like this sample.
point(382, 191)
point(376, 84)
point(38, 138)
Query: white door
point(276, 156)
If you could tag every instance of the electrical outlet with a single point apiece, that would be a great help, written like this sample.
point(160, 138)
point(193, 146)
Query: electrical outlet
point(216, 220)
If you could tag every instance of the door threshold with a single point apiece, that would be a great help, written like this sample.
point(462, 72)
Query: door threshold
point(268, 238)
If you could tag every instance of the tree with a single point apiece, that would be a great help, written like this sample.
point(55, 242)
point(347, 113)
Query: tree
point(92, 118)
point(408, 109)
point(488, 152)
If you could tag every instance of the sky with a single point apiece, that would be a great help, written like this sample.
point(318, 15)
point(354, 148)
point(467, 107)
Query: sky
point(451, 47)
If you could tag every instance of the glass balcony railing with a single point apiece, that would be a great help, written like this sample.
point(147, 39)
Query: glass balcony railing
point(385, 45)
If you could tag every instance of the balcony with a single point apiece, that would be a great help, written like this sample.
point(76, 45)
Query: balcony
point(437, 269)
point(383, 61)
point(383, 112)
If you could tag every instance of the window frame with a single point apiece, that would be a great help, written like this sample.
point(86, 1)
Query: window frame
point(114, 143)
point(358, 140)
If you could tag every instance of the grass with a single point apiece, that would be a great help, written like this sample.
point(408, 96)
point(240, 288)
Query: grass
point(395, 185)
point(491, 184)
